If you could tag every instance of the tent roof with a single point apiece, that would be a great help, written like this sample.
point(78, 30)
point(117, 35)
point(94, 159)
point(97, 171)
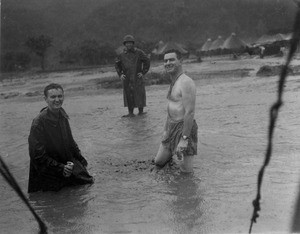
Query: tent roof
point(206, 45)
point(120, 49)
point(171, 45)
point(287, 36)
point(269, 39)
point(157, 47)
point(217, 44)
point(233, 42)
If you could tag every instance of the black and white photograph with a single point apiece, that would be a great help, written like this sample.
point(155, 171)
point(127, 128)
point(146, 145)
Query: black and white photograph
point(150, 116)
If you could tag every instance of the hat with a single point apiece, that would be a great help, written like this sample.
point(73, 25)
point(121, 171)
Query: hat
point(128, 38)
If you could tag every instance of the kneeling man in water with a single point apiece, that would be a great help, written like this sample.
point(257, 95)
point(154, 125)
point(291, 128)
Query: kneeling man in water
point(180, 130)
point(55, 159)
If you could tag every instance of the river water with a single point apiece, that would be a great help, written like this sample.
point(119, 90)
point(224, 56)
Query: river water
point(129, 197)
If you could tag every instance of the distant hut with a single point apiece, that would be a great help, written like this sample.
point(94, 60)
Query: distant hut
point(205, 48)
point(157, 47)
point(270, 39)
point(233, 44)
point(272, 43)
point(287, 36)
point(216, 45)
point(120, 49)
point(172, 45)
point(264, 39)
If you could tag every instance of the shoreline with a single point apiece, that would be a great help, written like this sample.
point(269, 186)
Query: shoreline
point(88, 80)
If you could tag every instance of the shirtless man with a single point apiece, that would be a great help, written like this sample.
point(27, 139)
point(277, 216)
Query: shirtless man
point(180, 130)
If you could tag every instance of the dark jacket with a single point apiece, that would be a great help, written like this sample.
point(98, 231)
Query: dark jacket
point(130, 63)
point(51, 145)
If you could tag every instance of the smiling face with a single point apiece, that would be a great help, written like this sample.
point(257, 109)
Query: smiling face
point(54, 99)
point(172, 63)
point(129, 45)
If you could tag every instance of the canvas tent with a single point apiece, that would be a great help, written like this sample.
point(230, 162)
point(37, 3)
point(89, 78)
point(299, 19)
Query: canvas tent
point(217, 44)
point(269, 39)
point(287, 36)
point(234, 43)
point(171, 45)
point(120, 49)
point(157, 47)
point(206, 46)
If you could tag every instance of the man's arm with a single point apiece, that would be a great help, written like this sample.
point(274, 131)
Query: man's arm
point(77, 153)
point(188, 101)
point(118, 66)
point(165, 128)
point(74, 147)
point(37, 150)
point(145, 62)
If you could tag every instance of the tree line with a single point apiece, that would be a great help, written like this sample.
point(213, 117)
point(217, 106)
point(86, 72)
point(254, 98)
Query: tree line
point(86, 53)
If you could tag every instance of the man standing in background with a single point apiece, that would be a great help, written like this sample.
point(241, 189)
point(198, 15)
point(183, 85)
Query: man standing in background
point(131, 65)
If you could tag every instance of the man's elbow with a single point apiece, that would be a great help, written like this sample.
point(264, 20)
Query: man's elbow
point(190, 113)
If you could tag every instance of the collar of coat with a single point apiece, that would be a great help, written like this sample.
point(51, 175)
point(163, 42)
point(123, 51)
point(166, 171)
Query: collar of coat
point(127, 51)
point(50, 116)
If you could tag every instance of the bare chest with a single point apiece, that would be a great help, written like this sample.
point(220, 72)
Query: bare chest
point(175, 95)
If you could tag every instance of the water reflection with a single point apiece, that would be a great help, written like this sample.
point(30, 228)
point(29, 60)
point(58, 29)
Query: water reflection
point(296, 219)
point(186, 203)
point(186, 206)
point(64, 211)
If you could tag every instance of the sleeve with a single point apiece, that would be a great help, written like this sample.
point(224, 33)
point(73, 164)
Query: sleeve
point(145, 62)
point(37, 150)
point(118, 66)
point(77, 153)
point(75, 149)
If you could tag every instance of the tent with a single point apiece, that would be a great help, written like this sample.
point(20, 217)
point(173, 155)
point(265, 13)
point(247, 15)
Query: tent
point(205, 46)
point(287, 36)
point(233, 43)
point(120, 49)
point(157, 47)
point(171, 45)
point(269, 39)
point(217, 44)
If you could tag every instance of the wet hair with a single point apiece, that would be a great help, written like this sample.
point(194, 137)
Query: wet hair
point(178, 54)
point(52, 86)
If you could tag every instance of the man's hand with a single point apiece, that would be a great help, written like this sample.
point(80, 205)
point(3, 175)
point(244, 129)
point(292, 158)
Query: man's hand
point(122, 77)
point(164, 135)
point(140, 75)
point(182, 146)
point(67, 172)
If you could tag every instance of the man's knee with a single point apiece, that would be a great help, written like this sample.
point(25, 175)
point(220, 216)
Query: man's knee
point(159, 163)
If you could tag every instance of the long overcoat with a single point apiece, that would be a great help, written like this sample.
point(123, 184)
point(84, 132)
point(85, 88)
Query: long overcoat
point(51, 145)
point(130, 63)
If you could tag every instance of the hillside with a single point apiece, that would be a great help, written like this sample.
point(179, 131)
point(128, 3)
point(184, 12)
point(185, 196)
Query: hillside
point(186, 20)
point(107, 21)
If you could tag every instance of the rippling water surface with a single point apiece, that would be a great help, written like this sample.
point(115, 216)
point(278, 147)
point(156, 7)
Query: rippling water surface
point(129, 197)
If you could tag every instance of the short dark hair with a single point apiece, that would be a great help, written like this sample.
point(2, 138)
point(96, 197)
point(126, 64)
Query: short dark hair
point(178, 54)
point(52, 86)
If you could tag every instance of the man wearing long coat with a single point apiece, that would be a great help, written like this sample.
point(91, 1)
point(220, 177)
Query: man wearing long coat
point(131, 65)
point(52, 147)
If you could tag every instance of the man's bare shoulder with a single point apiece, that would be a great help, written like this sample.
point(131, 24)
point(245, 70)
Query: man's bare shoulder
point(186, 80)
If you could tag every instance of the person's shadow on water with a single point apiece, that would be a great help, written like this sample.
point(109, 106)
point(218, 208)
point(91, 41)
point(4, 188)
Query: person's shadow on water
point(63, 211)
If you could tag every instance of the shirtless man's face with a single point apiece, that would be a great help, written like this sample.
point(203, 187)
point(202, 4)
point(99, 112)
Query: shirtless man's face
point(171, 63)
